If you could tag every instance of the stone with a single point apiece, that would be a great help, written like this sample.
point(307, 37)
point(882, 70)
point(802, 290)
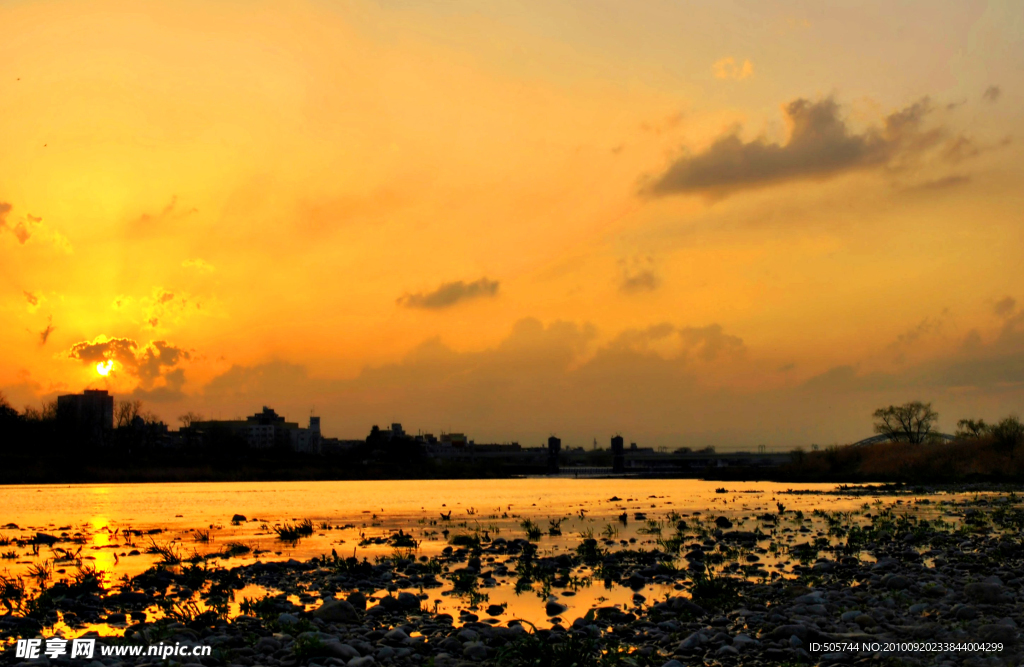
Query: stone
point(398, 636)
point(337, 611)
point(339, 650)
point(997, 632)
point(897, 582)
point(365, 661)
point(555, 608)
point(408, 601)
point(986, 593)
point(357, 600)
point(742, 641)
point(476, 651)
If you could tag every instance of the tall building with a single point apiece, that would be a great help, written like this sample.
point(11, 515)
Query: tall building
point(618, 455)
point(554, 449)
point(89, 414)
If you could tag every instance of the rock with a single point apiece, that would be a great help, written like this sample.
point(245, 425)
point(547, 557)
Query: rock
point(361, 662)
point(555, 608)
point(897, 582)
point(335, 611)
point(804, 632)
point(468, 635)
point(339, 650)
point(850, 616)
point(987, 593)
point(694, 640)
point(963, 612)
point(475, 651)
point(238, 518)
point(727, 650)
point(997, 632)
point(723, 522)
point(865, 621)
point(287, 619)
point(673, 663)
point(495, 610)
point(398, 635)
point(357, 600)
point(742, 641)
point(408, 601)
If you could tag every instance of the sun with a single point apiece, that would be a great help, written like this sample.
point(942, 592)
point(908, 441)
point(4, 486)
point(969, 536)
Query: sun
point(104, 367)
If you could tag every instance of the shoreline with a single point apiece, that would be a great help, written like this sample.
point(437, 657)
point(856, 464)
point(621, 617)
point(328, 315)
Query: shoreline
point(882, 584)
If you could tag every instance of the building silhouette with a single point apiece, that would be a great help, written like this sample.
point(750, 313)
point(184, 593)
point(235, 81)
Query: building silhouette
point(618, 455)
point(264, 430)
point(89, 415)
point(554, 449)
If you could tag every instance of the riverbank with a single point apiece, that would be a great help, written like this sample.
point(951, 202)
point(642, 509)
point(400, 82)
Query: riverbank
point(911, 580)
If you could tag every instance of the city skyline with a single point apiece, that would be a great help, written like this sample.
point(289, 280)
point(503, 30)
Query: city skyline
point(721, 224)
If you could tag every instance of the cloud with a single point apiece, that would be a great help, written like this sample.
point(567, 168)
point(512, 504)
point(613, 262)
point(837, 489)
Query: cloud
point(939, 184)
point(450, 294)
point(642, 281)
point(32, 227)
point(728, 68)
point(151, 224)
point(44, 335)
point(154, 365)
point(638, 275)
point(820, 145)
point(164, 305)
point(539, 379)
point(199, 265)
point(1005, 306)
point(992, 94)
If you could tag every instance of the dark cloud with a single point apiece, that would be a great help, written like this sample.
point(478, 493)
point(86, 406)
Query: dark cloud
point(540, 378)
point(926, 327)
point(450, 294)
point(151, 224)
point(154, 365)
point(32, 227)
point(937, 184)
point(44, 335)
point(638, 275)
point(1005, 306)
point(992, 94)
point(821, 145)
point(642, 281)
point(121, 350)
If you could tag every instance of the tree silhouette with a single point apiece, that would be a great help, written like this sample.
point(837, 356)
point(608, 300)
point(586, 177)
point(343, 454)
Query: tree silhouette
point(911, 422)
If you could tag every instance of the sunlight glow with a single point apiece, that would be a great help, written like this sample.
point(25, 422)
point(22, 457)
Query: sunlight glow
point(104, 367)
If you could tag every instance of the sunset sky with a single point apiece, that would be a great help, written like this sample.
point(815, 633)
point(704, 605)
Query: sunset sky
point(692, 223)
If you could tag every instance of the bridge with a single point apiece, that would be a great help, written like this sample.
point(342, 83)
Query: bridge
point(878, 439)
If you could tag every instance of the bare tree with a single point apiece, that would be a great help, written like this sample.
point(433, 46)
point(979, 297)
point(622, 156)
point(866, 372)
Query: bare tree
point(969, 428)
point(911, 422)
point(1008, 434)
point(190, 418)
point(46, 413)
point(125, 412)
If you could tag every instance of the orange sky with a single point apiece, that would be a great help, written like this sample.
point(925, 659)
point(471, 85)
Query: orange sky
point(725, 224)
